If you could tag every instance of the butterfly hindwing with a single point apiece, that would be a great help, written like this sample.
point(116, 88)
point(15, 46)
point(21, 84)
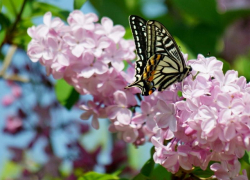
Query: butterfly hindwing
point(160, 72)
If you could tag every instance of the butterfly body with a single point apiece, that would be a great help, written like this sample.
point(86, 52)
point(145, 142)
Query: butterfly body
point(160, 62)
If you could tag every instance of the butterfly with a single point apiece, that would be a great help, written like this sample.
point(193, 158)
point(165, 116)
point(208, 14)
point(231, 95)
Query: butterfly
point(160, 62)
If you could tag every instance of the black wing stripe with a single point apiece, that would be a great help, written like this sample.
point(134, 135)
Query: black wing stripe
point(167, 82)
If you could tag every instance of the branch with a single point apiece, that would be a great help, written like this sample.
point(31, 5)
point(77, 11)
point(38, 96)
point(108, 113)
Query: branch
point(8, 58)
point(6, 64)
point(18, 17)
point(15, 77)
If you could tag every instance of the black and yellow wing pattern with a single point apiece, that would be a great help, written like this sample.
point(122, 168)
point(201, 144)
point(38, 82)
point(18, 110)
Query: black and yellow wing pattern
point(160, 62)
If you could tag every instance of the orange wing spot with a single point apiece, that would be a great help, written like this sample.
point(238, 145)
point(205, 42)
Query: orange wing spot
point(152, 76)
point(148, 68)
point(145, 75)
point(152, 61)
point(158, 57)
point(150, 92)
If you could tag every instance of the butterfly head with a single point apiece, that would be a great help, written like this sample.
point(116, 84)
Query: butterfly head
point(189, 69)
point(186, 72)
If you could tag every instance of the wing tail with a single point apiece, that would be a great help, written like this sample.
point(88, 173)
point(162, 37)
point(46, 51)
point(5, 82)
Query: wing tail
point(143, 85)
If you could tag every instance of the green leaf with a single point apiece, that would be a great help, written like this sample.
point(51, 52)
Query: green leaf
point(201, 173)
point(21, 37)
point(66, 94)
point(205, 11)
point(148, 167)
point(12, 7)
point(39, 9)
point(117, 10)
point(78, 3)
point(152, 151)
point(128, 33)
point(242, 65)
point(4, 24)
point(2, 35)
point(5, 21)
point(160, 173)
point(97, 176)
point(246, 157)
point(140, 176)
point(204, 173)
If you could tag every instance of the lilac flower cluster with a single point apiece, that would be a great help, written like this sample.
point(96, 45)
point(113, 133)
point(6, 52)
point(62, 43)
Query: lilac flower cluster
point(209, 122)
point(80, 49)
point(89, 56)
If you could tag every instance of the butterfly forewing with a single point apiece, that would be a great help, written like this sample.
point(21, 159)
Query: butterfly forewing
point(163, 43)
point(138, 27)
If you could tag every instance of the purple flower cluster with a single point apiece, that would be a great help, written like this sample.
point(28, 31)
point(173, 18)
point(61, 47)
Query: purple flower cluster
point(209, 122)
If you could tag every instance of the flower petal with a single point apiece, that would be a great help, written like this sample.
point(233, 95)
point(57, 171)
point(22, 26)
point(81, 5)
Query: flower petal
point(124, 116)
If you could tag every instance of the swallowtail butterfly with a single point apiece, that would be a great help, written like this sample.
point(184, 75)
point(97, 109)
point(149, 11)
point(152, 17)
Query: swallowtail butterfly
point(160, 62)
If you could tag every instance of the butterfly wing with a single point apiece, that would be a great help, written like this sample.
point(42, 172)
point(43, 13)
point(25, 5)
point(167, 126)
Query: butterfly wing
point(138, 27)
point(160, 72)
point(160, 41)
point(160, 62)
point(166, 64)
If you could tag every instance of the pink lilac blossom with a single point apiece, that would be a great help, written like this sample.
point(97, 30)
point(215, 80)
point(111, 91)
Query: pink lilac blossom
point(93, 110)
point(209, 122)
point(228, 171)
